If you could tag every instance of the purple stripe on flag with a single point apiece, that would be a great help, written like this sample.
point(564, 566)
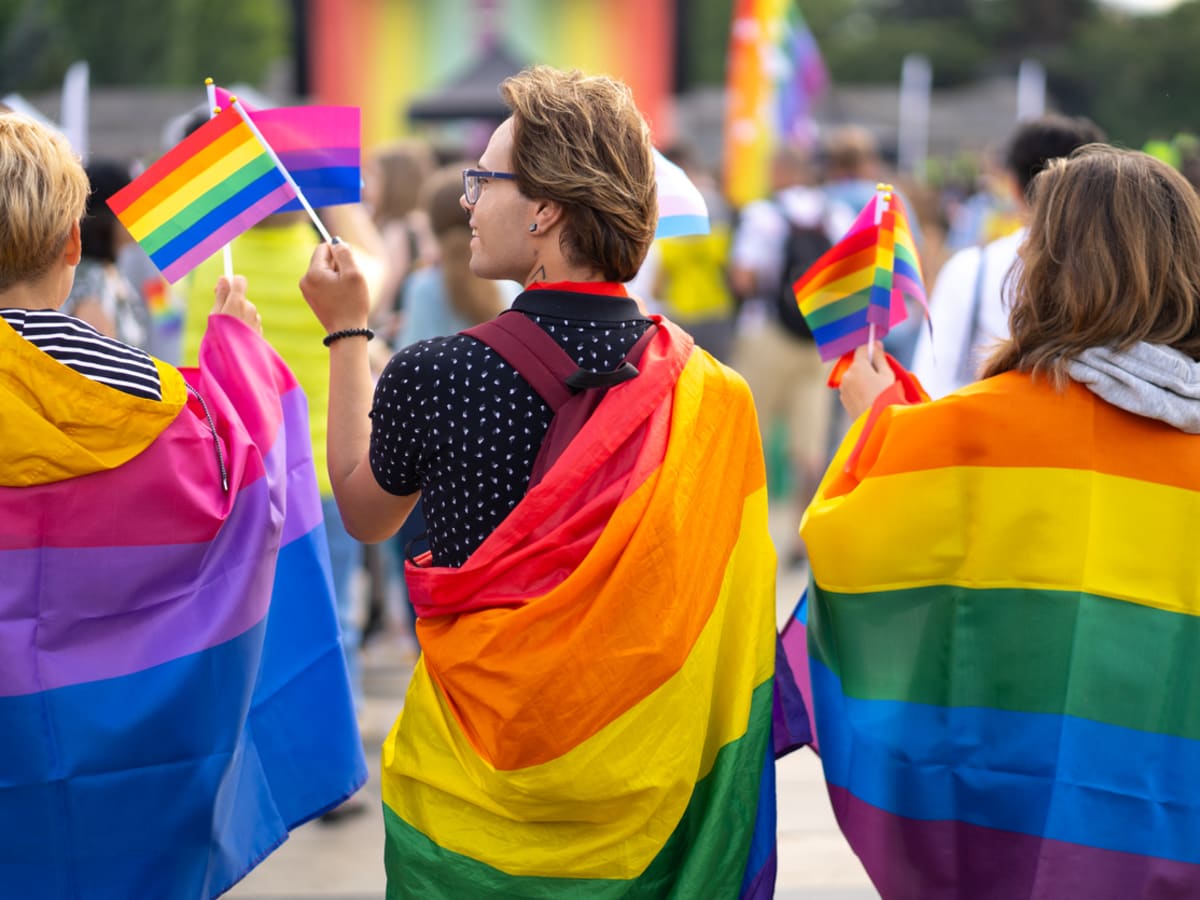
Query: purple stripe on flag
point(794, 640)
point(166, 601)
point(762, 886)
point(844, 344)
point(321, 158)
point(226, 233)
point(911, 859)
point(184, 603)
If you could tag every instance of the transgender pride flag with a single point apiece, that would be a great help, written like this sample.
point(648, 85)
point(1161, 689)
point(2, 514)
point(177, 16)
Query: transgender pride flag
point(173, 695)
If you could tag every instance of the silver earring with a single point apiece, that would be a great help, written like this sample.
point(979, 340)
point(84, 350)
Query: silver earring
point(533, 227)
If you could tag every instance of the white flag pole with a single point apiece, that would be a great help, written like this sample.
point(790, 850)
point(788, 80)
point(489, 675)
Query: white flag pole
point(233, 101)
point(226, 251)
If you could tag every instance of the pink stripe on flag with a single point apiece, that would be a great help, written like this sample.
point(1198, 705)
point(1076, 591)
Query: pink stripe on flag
point(227, 232)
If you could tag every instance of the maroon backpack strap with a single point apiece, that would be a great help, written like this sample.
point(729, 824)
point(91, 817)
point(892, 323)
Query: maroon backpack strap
point(535, 355)
point(571, 391)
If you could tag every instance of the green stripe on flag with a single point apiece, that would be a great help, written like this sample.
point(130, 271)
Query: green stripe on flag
point(1022, 650)
point(704, 857)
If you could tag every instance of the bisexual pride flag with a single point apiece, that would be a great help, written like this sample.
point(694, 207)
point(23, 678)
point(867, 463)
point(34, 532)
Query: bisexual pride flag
point(320, 146)
point(592, 713)
point(173, 695)
point(1002, 637)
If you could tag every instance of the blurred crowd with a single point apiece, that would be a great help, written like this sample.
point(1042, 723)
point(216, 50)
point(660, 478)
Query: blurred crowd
point(730, 288)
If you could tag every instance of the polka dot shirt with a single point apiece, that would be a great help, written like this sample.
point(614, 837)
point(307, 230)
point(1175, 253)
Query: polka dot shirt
point(455, 421)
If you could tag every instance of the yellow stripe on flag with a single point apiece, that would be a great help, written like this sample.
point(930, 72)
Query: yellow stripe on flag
point(605, 808)
point(200, 179)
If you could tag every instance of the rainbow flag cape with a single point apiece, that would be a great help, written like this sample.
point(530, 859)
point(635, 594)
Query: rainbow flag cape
point(1003, 626)
point(173, 695)
point(774, 76)
point(320, 146)
point(592, 715)
point(208, 189)
point(861, 281)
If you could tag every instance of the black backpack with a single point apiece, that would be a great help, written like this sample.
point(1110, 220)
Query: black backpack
point(803, 246)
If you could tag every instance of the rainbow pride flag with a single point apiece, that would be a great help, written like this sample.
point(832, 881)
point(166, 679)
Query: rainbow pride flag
point(592, 715)
point(320, 146)
point(862, 281)
point(208, 189)
point(1003, 626)
point(173, 695)
point(774, 76)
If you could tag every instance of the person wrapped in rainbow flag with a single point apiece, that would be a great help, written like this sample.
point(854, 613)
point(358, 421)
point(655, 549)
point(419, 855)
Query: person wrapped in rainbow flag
point(173, 696)
point(593, 712)
point(1004, 611)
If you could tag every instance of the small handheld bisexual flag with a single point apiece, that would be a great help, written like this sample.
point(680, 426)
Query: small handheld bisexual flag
point(858, 287)
point(320, 146)
point(214, 184)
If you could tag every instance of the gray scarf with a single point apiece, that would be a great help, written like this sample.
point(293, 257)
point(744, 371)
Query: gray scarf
point(1150, 380)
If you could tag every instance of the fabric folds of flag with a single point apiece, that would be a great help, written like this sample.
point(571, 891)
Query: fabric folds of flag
point(862, 281)
point(320, 146)
point(208, 189)
point(173, 697)
point(1004, 621)
point(592, 713)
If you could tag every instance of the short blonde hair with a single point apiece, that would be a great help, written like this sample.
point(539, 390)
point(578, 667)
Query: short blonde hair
point(43, 189)
point(581, 142)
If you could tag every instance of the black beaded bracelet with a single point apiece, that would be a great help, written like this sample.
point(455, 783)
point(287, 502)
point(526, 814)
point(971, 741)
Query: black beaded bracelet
point(348, 332)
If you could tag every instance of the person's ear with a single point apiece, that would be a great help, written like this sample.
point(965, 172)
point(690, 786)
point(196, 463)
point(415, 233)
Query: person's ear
point(547, 214)
point(73, 251)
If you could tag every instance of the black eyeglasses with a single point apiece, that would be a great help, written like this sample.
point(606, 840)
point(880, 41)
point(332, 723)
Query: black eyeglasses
point(473, 180)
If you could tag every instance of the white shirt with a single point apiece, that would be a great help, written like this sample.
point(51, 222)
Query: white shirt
point(939, 362)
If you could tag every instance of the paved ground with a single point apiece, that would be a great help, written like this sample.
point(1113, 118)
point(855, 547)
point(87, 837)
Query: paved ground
point(344, 861)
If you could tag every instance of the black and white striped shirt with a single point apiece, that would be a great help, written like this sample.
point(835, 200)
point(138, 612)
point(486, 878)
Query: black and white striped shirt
point(78, 345)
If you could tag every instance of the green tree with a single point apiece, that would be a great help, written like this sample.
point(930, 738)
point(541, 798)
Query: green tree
point(140, 41)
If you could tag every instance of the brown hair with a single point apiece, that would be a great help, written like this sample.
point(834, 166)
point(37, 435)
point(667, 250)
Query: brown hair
point(1112, 258)
point(471, 298)
point(401, 167)
point(43, 189)
point(582, 143)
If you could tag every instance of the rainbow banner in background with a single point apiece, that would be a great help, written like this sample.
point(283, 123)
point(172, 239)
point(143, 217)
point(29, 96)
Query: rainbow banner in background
point(861, 282)
point(560, 740)
point(774, 76)
point(320, 146)
point(382, 55)
point(1003, 672)
point(173, 694)
point(214, 184)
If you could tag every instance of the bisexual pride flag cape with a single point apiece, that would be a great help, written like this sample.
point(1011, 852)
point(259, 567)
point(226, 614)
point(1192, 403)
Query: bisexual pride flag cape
point(173, 696)
point(592, 714)
point(1003, 630)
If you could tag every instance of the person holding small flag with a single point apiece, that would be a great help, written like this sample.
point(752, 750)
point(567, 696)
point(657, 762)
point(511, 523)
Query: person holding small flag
point(173, 696)
point(593, 709)
point(1004, 610)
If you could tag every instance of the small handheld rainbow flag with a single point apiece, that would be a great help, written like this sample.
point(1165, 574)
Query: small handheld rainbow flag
point(855, 292)
point(214, 184)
